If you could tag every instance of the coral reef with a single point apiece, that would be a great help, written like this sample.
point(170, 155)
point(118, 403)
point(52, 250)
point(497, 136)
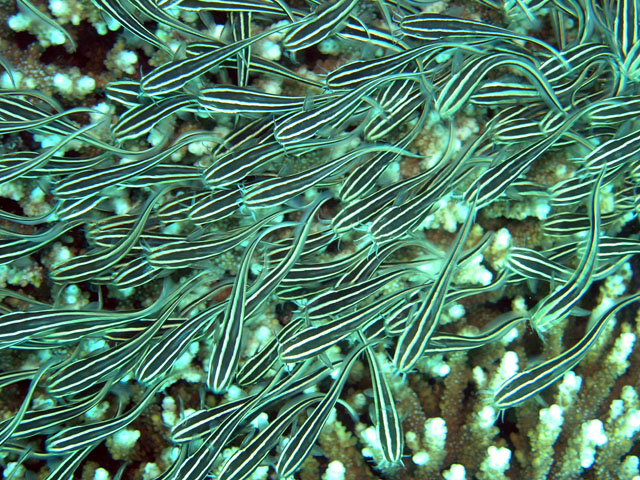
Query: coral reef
point(327, 240)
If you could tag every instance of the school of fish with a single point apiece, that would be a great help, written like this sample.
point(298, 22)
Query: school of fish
point(575, 93)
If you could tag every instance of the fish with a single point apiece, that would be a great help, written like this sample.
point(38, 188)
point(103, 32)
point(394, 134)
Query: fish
point(534, 380)
point(558, 304)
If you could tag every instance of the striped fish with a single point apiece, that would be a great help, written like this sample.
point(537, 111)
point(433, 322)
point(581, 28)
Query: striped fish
point(113, 364)
point(414, 340)
point(35, 422)
point(257, 366)
point(534, 380)
point(463, 84)
point(438, 27)
point(12, 376)
point(50, 23)
point(184, 253)
point(141, 118)
point(124, 92)
point(301, 126)
point(562, 225)
point(301, 443)
point(163, 173)
point(161, 356)
point(246, 136)
point(311, 341)
point(531, 264)
point(214, 207)
point(87, 182)
point(241, 30)
point(397, 321)
point(337, 300)
point(312, 273)
point(362, 178)
point(353, 74)
point(503, 92)
point(399, 220)
point(133, 274)
point(259, 65)
point(277, 191)
point(18, 114)
point(17, 164)
point(14, 246)
point(8, 428)
point(397, 105)
point(20, 326)
point(557, 305)
point(197, 465)
point(230, 168)
point(200, 423)
point(387, 420)
point(172, 76)
point(492, 183)
point(358, 213)
point(446, 342)
point(327, 19)
point(126, 18)
point(258, 295)
point(244, 462)
point(225, 356)
point(151, 9)
point(243, 100)
point(75, 438)
point(70, 462)
point(84, 267)
point(251, 6)
point(579, 56)
point(615, 110)
point(355, 31)
point(625, 40)
point(316, 242)
point(366, 267)
point(175, 209)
